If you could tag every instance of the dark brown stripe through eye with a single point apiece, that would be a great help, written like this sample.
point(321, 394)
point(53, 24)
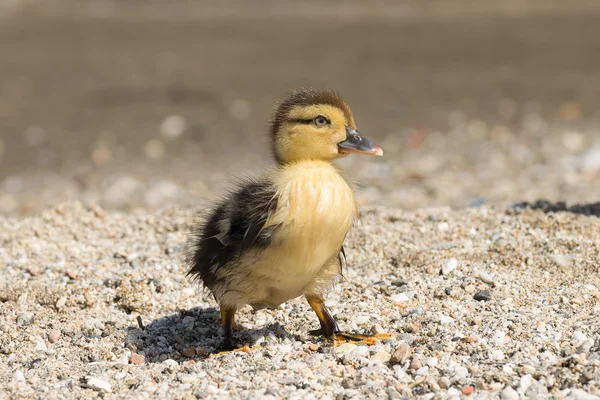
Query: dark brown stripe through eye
point(302, 121)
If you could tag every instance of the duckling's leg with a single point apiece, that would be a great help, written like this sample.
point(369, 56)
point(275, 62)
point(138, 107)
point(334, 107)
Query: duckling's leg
point(329, 328)
point(227, 318)
point(328, 324)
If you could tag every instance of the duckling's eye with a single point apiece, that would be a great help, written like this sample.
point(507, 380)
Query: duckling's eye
point(320, 121)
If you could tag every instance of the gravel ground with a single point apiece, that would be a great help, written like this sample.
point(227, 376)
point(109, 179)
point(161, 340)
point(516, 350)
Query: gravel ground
point(486, 302)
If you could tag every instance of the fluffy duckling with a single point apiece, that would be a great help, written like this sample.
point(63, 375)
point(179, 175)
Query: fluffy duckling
point(281, 236)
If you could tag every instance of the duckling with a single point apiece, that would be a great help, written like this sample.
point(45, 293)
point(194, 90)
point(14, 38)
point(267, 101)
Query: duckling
point(280, 236)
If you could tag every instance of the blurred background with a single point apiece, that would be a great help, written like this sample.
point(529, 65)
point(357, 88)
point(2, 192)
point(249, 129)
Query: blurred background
point(146, 103)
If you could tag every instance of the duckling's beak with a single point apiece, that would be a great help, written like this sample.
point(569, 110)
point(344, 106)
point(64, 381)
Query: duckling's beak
point(357, 144)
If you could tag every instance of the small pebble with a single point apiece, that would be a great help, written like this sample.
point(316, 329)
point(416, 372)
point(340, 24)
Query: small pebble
point(25, 318)
point(416, 363)
point(399, 298)
point(400, 374)
point(585, 347)
point(563, 260)
point(360, 352)
point(470, 289)
point(377, 329)
point(124, 358)
point(527, 369)
point(525, 383)
point(461, 372)
point(60, 303)
point(54, 336)
point(211, 389)
point(449, 266)
point(432, 362)
point(188, 322)
point(170, 362)
point(401, 354)
point(362, 319)
point(483, 295)
point(444, 382)
point(344, 348)
point(577, 300)
point(509, 393)
point(498, 338)
point(417, 311)
point(407, 338)
point(137, 359)
point(201, 351)
point(497, 355)
point(18, 376)
point(481, 385)
point(189, 352)
point(381, 356)
point(578, 394)
point(467, 390)
point(96, 384)
point(486, 278)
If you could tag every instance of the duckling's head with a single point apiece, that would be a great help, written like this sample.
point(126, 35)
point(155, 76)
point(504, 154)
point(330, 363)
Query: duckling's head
point(315, 124)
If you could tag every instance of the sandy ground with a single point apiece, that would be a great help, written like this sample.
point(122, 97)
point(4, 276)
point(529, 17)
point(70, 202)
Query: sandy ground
point(494, 302)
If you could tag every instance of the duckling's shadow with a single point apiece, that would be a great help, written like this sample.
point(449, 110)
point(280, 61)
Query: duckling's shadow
point(177, 336)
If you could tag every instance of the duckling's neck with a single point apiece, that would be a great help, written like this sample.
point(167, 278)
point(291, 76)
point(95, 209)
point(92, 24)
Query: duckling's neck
point(306, 161)
point(315, 161)
point(308, 170)
point(315, 186)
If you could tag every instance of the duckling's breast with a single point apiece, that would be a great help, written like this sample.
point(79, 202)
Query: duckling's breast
point(315, 211)
point(316, 208)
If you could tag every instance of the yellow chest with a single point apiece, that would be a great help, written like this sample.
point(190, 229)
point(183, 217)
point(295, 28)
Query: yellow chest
point(316, 208)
